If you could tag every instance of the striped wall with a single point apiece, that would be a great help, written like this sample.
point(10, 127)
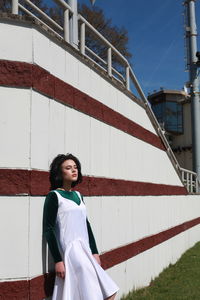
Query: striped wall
point(52, 101)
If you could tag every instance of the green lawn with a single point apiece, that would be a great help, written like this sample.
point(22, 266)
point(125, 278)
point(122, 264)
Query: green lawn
point(180, 281)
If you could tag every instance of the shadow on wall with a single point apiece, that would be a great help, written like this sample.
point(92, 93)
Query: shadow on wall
point(47, 267)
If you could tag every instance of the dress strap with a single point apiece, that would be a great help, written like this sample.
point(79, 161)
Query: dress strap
point(79, 195)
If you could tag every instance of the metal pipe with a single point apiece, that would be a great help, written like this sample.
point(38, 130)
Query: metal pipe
point(39, 20)
point(73, 24)
point(139, 89)
point(95, 55)
point(44, 15)
point(64, 5)
point(15, 7)
point(188, 171)
point(127, 78)
point(106, 64)
point(187, 181)
point(191, 35)
point(197, 185)
point(109, 59)
point(82, 39)
point(66, 25)
point(182, 175)
point(103, 39)
point(191, 183)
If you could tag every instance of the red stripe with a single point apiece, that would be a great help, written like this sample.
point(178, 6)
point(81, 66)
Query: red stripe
point(36, 183)
point(35, 289)
point(42, 286)
point(121, 254)
point(15, 290)
point(20, 74)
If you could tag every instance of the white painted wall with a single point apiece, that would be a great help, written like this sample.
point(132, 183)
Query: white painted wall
point(41, 50)
point(33, 129)
point(132, 219)
point(136, 217)
point(15, 127)
point(42, 128)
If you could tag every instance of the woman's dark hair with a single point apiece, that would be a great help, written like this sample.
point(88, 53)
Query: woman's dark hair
point(55, 175)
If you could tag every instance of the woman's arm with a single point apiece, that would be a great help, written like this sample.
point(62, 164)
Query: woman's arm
point(92, 241)
point(49, 225)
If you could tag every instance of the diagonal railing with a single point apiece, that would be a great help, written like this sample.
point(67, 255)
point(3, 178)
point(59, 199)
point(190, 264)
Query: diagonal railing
point(125, 76)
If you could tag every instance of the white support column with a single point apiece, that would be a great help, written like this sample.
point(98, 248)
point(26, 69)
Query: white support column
point(66, 25)
point(187, 181)
point(191, 182)
point(109, 61)
point(15, 7)
point(73, 24)
point(127, 78)
point(82, 39)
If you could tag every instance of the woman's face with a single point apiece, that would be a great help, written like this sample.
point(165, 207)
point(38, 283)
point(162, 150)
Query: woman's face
point(69, 171)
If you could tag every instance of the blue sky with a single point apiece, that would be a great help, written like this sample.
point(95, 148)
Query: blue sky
point(156, 39)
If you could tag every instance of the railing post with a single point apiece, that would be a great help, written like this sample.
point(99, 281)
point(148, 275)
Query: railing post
point(127, 78)
point(187, 180)
point(182, 175)
point(191, 182)
point(197, 184)
point(74, 24)
point(66, 25)
point(82, 39)
point(109, 61)
point(15, 7)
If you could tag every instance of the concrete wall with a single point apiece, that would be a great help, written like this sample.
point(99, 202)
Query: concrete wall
point(35, 126)
point(116, 221)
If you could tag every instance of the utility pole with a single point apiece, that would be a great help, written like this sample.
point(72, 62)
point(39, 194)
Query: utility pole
point(193, 64)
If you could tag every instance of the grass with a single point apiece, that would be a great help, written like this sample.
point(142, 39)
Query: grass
point(180, 281)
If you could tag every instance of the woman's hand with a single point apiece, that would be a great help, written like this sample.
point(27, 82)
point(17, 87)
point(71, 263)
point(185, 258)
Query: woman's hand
point(96, 256)
point(60, 269)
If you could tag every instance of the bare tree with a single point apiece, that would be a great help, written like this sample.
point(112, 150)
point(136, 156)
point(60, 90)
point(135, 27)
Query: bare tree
point(118, 37)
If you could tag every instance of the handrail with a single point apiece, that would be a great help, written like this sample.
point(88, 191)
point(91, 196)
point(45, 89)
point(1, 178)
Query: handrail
point(102, 38)
point(32, 15)
point(64, 4)
point(67, 10)
point(104, 62)
point(190, 180)
point(43, 15)
point(191, 184)
point(15, 4)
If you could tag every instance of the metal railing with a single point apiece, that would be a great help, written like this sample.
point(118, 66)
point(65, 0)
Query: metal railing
point(188, 177)
point(107, 65)
point(190, 180)
point(16, 5)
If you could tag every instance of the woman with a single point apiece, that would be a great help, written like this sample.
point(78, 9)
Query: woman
point(79, 275)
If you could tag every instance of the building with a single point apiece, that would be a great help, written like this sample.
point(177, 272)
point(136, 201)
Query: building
point(172, 109)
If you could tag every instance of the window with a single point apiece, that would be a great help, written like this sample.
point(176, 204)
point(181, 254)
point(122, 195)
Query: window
point(170, 115)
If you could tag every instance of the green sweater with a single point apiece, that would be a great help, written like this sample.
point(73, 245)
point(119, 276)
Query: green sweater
point(49, 222)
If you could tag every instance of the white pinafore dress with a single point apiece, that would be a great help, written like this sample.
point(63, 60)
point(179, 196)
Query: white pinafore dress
point(84, 278)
